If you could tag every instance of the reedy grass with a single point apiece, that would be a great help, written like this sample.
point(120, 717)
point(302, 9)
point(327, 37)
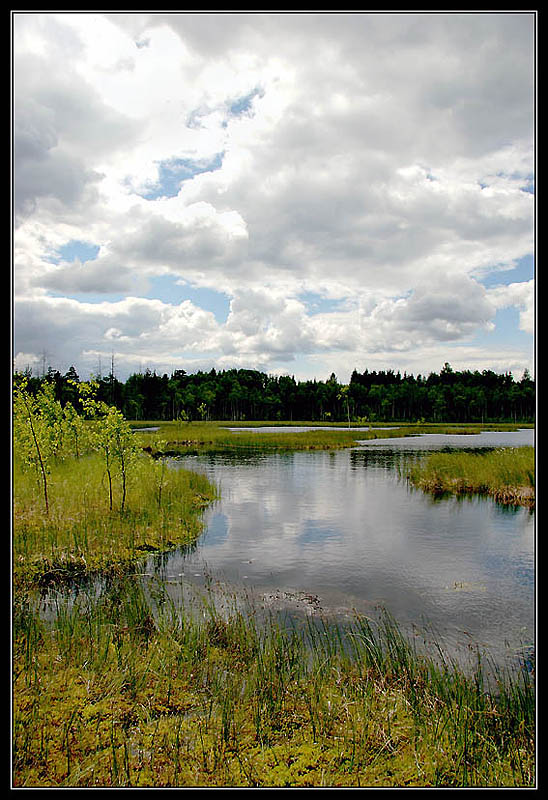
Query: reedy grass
point(117, 691)
point(124, 688)
point(507, 475)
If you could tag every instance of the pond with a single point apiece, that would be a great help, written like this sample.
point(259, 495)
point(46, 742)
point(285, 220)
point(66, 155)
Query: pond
point(329, 533)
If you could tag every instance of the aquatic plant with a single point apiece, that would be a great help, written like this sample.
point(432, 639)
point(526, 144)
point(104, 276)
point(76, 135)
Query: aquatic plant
point(507, 475)
point(118, 689)
point(178, 438)
point(116, 684)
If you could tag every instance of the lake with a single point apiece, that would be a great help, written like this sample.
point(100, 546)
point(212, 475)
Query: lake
point(328, 533)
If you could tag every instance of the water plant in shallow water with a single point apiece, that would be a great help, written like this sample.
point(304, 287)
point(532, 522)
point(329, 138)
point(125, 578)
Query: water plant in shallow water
point(120, 686)
point(507, 475)
point(118, 691)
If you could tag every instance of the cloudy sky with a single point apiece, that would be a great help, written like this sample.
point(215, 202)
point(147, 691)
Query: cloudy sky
point(297, 193)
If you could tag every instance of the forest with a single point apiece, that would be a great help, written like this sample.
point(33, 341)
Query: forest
point(246, 394)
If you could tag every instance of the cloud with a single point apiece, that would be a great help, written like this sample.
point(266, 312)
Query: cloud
point(62, 127)
point(381, 160)
point(80, 278)
point(448, 309)
point(521, 295)
point(135, 329)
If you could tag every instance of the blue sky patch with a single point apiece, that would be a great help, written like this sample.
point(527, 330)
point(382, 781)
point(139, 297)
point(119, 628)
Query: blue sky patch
point(168, 290)
point(83, 251)
point(316, 304)
point(523, 271)
point(173, 172)
point(506, 335)
point(243, 105)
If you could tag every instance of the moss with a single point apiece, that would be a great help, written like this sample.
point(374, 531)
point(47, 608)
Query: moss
point(122, 711)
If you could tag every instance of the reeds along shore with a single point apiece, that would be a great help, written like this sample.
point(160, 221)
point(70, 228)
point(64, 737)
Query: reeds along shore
point(183, 437)
point(507, 475)
point(120, 691)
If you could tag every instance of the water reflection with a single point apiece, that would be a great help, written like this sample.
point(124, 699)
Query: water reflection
point(345, 527)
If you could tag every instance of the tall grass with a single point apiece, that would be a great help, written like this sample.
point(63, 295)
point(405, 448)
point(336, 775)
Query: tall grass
point(81, 534)
point(122, 686)
point(508, 474)
point(116, 690)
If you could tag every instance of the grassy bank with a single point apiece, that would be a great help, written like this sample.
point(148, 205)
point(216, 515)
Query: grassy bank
point(507, 475)
point(80, 535)
point(114, 692)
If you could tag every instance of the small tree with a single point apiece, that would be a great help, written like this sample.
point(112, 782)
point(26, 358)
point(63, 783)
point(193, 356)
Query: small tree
point(125, 448)
point(112, 436)
point(343, 395)
point(75, 431)
point(36, 432)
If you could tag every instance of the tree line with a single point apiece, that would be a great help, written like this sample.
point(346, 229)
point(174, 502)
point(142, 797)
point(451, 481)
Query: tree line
point(246, 394)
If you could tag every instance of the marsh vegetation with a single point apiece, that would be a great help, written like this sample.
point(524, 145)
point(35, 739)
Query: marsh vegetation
point(116, 691)
point(507, 475)
point(179, 438)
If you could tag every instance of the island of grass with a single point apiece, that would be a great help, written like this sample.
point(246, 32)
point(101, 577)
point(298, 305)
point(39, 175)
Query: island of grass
point(507, 475)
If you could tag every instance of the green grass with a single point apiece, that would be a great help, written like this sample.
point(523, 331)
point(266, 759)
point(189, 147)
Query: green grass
point(81, 536)
point(121, 688)
point(507, 475)
point(116, 692)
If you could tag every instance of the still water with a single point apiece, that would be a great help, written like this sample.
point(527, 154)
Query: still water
point(331, 533)
point(301, 428)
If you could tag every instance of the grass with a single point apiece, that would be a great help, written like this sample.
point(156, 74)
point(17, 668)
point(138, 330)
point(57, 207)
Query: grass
point(507, 475)
point(116, 691)
point(80, 536)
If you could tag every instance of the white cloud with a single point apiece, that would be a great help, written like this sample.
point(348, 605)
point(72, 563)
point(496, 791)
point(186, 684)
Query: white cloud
point(382, 160)
point(521, 295)
point(135, 329)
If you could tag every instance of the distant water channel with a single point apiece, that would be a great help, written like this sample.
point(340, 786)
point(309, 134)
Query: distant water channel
point(331, 533)
point(301, 428)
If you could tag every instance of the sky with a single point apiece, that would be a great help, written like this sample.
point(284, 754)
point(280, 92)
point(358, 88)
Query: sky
point(298, 193)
